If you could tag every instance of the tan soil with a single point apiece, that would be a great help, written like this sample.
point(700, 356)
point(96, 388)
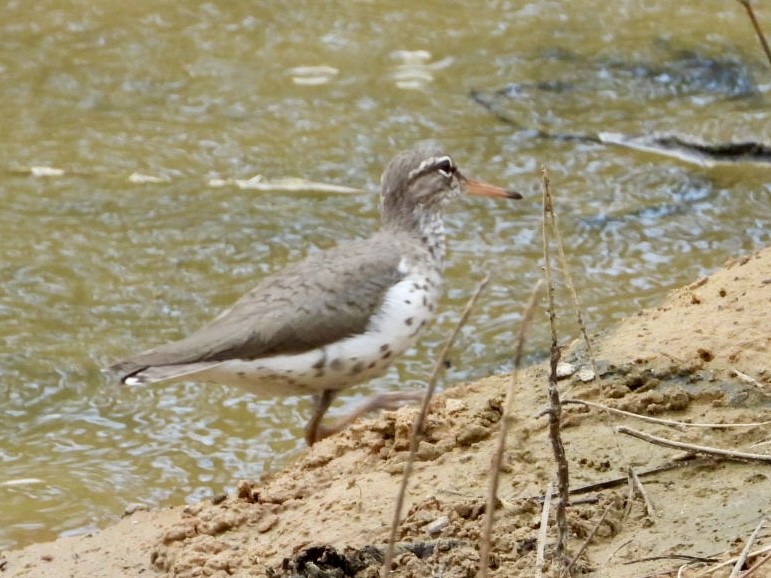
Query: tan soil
point(702, 356)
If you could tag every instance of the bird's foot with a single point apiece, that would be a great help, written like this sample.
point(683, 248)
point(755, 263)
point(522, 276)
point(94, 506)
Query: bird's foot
point(385, 401)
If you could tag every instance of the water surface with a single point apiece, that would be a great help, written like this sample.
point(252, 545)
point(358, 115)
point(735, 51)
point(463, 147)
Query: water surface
point(95, 266)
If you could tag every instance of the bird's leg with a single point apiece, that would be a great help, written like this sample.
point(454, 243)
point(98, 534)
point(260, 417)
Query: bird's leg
point(314, 431)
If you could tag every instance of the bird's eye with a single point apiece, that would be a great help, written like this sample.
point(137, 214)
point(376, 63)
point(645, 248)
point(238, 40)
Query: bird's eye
point(445, 167)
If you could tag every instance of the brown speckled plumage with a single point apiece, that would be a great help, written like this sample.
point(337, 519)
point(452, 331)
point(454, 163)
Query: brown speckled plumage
point(337, 318)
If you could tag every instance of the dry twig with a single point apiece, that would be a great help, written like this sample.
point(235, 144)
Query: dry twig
point(756, 26)
point(756, 566)
point(606, 484)
point(417, 428)
point(555, 409)
point(681, 570)
point(629, 497)
point(681, 425)
point(728, 454)
point(747, 378)
point(649, 509)
point(542, 530)
point(755, 554)
point(588, 539)
point(506, 421)
point(691, 560)
point(603, 568)
point(746, 550)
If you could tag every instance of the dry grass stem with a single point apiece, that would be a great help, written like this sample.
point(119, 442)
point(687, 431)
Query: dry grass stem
point(588, 539)
point(540, 548)
point(640, 489)
point(746, 550)
point(555, 231)
point(555, 409)
point(731, 561)
point(506, 422)
point(756, 26)
point(704, 450)
point(417, 428)
point(681, 425)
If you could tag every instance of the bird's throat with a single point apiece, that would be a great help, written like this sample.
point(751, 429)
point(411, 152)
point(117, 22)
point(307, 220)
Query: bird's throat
point(431, 229)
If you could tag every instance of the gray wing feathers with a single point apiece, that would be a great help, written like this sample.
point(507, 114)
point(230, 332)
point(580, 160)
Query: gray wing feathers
point(327, 297)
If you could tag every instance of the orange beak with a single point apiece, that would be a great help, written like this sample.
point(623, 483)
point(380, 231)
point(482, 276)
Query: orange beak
point(487, 190)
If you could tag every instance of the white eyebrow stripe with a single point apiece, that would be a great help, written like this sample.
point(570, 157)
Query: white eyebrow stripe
point(430, 163)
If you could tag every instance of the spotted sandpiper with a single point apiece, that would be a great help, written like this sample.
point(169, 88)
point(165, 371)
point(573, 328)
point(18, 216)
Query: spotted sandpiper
point(339, 317)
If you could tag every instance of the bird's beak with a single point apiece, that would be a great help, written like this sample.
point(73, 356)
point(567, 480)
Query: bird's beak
point(483, 189)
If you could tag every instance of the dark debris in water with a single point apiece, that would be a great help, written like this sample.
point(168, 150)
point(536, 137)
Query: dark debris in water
point(692, 150)
point(685, 198)
point(737, 150)
point(686, 72)
point(614, 83)
point(674, 73)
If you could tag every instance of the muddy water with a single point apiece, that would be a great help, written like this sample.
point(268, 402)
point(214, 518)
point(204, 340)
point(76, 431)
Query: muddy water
point(96, 264)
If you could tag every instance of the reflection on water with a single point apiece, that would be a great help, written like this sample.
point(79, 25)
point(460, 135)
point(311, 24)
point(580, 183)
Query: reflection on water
point(97, 263)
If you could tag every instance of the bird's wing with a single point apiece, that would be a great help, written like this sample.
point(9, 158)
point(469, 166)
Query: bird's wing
point(327, 297)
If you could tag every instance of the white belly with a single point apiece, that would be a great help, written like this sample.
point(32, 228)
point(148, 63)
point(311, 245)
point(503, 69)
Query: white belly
point(408, 306)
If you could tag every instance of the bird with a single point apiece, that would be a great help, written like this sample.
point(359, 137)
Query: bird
point(338, 318)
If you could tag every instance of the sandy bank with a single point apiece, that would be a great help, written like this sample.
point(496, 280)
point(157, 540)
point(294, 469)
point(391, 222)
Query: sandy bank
point(701, 356)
